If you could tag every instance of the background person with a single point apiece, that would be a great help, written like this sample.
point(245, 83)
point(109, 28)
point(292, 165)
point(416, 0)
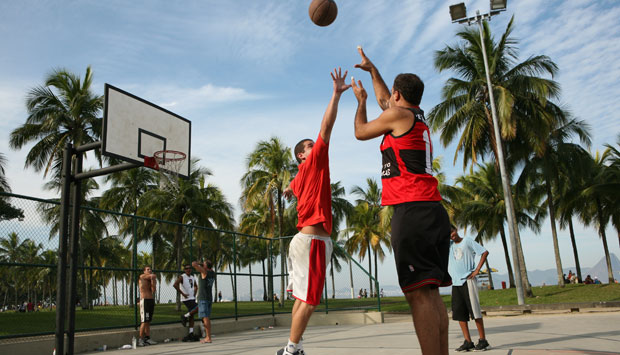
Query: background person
point(148, 285)
point(205, 295)
point(465, 302)
point(186, 285)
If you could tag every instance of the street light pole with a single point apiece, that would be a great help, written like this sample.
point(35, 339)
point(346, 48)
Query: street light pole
point(510, 212)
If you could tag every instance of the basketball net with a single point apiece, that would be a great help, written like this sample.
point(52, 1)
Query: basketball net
point(169, 163)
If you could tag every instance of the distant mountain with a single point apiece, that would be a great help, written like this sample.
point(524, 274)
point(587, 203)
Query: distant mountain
point(550, 276)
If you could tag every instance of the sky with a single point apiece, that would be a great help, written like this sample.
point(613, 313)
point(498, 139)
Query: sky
point(247, 70)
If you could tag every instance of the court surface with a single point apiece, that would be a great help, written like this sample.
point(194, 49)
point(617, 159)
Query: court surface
point(568, 333)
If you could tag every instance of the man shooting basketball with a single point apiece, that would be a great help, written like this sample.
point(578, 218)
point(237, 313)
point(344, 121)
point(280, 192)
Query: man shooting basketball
point(420, 225)
point(310, 250)
point(148, 285)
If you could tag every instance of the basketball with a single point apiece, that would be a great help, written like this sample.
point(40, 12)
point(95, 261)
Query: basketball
point(323, 12)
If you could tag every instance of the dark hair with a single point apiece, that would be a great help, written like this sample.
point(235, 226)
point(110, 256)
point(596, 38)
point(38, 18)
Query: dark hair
point(208, 264)
point(145, 266)
point(299, 148)
point(187, 266)
point(410, 87)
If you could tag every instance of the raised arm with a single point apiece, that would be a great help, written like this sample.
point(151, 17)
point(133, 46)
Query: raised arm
point(199, 267)
point(386, 122)
point(332, 108)
point(382, 93)
point(153, 284)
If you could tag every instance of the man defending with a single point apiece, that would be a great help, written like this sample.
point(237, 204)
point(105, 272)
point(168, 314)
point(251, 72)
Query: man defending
point(186, 285)
point(420, 225)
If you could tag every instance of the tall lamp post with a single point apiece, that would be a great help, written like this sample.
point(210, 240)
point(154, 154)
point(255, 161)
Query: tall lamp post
point(459, 15)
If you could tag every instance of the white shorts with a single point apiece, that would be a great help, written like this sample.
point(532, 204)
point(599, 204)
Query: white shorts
point(308, 257)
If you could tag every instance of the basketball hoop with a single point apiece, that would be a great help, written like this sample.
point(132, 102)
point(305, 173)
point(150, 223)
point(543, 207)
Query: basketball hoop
point(170, 161)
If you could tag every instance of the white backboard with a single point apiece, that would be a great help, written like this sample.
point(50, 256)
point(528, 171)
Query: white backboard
point(134, 128)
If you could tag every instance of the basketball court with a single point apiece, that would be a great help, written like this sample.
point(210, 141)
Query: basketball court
point(568, 333)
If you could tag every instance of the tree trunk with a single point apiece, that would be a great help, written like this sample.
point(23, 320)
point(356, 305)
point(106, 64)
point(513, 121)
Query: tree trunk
point(511, 278)
point(376, 272)
point(554, 233)
point(251, 289)
point(351, 278)
point(333, 281)
point(264, 282)
point(604, 238)
point(179, 246)
point(575, 253)
point(282, 251)
point(369, 268)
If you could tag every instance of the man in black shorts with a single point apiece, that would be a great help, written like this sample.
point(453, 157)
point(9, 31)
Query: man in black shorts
point(420, 225)
point(186, 285)
point(148, 286)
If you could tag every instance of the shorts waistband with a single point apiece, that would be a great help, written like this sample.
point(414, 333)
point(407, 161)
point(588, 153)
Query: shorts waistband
point(312, 236)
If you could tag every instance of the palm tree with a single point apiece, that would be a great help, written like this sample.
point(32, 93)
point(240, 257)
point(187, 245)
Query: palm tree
point(599, 194)
point(341, 209)
point(62, 110)
point(612, 178)
point(269, 170)
point(7, 211)
point(11, 249)
point(520, 92)
point(548, 163)
point(376, 215)
point(477, 200)
point(187, 201)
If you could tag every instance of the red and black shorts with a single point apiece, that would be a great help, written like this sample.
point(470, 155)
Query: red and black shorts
point(421, 243)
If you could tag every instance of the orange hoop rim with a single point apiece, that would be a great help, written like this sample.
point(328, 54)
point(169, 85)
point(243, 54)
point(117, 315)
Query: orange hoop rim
point(160, 156)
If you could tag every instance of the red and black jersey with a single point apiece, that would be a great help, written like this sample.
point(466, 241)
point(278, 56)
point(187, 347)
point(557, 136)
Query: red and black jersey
point(406, 175)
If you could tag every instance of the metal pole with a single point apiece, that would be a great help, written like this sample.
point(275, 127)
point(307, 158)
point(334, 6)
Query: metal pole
point(76, 191)
point(134, 273)
point(502, 167)
point(326, 297)
point(61, 291)
point(270, 271)
point(235, 274)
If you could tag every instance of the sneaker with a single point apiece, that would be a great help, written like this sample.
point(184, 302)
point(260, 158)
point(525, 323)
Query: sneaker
point(195, 337)
point(141, 342)
point(482, 345)
point(150, 341)
point(467, 346)
point(188, 337)
point(184, 320)
point(283, 351)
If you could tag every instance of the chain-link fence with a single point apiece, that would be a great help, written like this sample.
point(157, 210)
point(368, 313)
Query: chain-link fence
point(113, 249)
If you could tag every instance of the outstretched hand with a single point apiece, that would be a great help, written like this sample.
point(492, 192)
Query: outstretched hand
point(366, 64)
point(358, 90)
point(339, 85)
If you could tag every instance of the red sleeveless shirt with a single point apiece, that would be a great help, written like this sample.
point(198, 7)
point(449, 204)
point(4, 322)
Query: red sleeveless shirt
point(406, 175)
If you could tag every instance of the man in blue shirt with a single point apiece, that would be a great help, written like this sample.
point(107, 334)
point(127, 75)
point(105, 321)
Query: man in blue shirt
point(465, 304)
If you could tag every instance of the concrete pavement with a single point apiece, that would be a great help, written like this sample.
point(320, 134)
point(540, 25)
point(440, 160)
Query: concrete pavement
point(589, 332)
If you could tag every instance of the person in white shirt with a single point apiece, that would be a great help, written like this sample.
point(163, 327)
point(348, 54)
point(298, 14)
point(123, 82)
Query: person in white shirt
point(186, 285)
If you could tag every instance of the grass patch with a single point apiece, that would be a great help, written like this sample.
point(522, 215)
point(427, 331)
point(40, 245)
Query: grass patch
point(542, 295)
point(14, 323)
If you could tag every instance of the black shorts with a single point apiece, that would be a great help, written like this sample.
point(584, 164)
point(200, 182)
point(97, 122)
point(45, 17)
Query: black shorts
point(190, 304)
point(421, 243)
point(465, 302)
point(147, 307)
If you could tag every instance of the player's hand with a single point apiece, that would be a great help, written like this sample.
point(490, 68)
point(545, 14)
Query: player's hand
point(184, 294)
point(366, 64)
point(338, 78)
point(473, 274)
point(358, 90)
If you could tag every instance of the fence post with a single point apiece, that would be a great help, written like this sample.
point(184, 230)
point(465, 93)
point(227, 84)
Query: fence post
point(235, 273)
point(378, 295)
point(74, 239)
point(61, 290)
point(134, 273)
point(191, 243)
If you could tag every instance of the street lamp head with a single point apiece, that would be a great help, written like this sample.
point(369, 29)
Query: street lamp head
point(458, 12)
point(498, 5)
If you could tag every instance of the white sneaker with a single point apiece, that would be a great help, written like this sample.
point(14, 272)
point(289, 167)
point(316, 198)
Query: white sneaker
point(150, 341)
point(141, 342)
